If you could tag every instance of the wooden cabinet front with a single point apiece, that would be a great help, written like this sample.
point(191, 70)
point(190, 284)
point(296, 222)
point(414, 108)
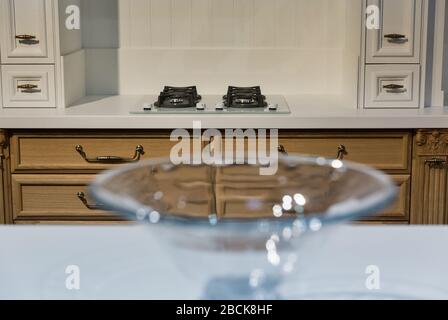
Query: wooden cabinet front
point(400, 210)
point(44, 152)
point(49, 169)
point(386, 151)
point(54, 197)
point(430, 178)
point(2, 169)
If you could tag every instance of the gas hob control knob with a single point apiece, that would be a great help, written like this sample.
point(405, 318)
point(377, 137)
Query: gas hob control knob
point(273, 107)
point(148, 107)
point(201, 106)
point(219, 106)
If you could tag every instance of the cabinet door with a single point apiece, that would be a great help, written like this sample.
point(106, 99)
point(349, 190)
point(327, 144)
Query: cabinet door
point(2, 168)
point(1, 90)
point(2, 198)
point(398, 38)
point(27, 31)
point(430, 179)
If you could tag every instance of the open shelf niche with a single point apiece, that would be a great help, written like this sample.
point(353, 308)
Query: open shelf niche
point(135, 47)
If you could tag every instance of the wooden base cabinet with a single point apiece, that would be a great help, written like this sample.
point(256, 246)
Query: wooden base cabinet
point(2, 188)
point(44, 173)
point(430, 178)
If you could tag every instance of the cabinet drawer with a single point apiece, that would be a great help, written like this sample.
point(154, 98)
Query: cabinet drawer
point(235, 198)
point(42, 152)
point(28, 86)
point(53, 197)
point(400, 209)
point(74, 222)
point(1, 90)
point(27, 31)
point(392, 86)
point(398, 38)
point(385, 151)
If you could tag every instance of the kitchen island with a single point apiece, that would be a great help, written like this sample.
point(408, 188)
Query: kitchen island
point(47, 153)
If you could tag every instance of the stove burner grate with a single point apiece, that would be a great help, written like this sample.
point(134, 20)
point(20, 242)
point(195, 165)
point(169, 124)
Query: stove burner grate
point(178, 97)
point(245, 97)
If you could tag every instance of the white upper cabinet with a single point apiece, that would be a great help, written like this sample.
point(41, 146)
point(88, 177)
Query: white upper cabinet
point(398, 38)
point(27, 31)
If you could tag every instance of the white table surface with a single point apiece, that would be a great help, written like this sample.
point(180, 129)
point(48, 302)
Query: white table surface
point(129, 263)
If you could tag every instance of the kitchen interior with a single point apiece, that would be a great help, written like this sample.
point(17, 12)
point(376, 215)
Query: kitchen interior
point(362, 81)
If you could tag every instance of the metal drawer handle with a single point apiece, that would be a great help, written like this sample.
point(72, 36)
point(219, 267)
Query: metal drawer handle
point(342, 152)
point(82, 197)
point(27, 39)
point(139, 151)
point(28, 88)
point(30, 91)
point(282, 150)
point(396, 37)
point(436, 163)
point(395, 88)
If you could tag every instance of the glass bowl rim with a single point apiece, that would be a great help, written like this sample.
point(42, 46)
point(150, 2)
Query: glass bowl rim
point(127, 207)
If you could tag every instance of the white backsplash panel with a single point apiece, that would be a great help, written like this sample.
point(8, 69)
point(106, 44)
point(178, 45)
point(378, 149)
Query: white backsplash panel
point(233, 23)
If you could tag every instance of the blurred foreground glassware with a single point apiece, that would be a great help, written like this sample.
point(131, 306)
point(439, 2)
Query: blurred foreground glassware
point(235, 228)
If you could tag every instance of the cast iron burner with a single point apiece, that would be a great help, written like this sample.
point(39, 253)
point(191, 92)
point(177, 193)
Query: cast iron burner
point(175, 97)
point(250, 97)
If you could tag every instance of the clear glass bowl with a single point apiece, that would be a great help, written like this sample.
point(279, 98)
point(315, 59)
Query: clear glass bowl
point(237, 230)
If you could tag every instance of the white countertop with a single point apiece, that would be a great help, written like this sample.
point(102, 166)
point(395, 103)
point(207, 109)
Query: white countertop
point(307, 112)
point(129, 262)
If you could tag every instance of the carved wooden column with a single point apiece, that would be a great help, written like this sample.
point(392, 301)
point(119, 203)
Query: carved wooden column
point(3, 142)
point(430, 178)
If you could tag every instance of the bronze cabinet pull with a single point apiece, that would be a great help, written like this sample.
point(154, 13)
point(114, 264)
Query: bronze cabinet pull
point(139, 151)
point(28, 88)
point(395, 88)
point(31, 91)
point(342, 152)
point(282, 150)
point(396, 37)
point(436, 163)
point(27, 39)
point(82, 197)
